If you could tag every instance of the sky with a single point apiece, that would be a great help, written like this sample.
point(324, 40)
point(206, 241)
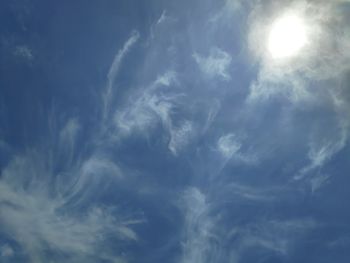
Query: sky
point(174, 131)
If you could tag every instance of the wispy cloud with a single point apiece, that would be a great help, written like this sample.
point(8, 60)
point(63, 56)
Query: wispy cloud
point(198, 230)
point(313, 78)
point(228, 145)
point(214, 65)
point(149, 107)
point(49, 193)
point(206, 233)
point(6, 251)
point(180, 137)
point(37, 214)
point(154, 105)
point(243, 132)
point(325, 57)
point(322, 147)
point(114, 69)
point(275, 236)
point(23, 52)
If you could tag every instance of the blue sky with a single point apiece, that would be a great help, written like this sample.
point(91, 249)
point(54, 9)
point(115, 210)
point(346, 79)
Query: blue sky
point(167, 131)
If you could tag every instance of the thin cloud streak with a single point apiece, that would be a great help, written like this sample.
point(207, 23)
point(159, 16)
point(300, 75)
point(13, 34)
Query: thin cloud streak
point(114, 69)
point(48, 193)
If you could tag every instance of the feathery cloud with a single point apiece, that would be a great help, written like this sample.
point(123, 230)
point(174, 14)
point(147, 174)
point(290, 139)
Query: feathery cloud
point(215, 65)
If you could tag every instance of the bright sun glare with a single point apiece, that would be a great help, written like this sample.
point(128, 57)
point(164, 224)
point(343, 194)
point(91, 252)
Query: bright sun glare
point(287, 37)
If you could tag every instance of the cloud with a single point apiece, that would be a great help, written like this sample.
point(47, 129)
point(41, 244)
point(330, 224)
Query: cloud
point(148, 106)
point(325, 57)
point(213, 231)
point(233, 148)
point(318, 181)
point(67, 140)
point(69, 132)
point(198, 229)
point(167, 79)
point(276, 236)
point(6, 251)
point(152, 106)
point(215, 65)
point(37, 214)
point(56, 198)
point(143, 114)
point(229, 10)
point(162, 18)
point(180, 137)
point(50, 194)
point(228, 145)
point(236, 5)
point(23, 52)
point(322, 147)
point(93, 177)
point(240, 192)
point(48, 199)
point(311, 80)
point(114, 69)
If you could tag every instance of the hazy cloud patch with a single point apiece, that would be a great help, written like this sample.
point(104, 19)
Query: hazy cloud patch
point(214, 65)
point(228, 145)
point(199, 239)
point(325, 57)
point(180, 137)
point(23, 52)
point(272, 235)
point(6, 251)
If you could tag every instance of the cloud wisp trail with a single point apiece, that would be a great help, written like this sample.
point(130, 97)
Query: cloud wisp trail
point(49, 193)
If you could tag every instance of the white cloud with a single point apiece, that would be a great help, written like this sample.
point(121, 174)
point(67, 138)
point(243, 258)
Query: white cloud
point(40, 209)
point(198, 230)
point(162, 18)
point(228, 11)
point(152, 106)
point(34, 220)
point(271, 235)
point(318, 181)
point(326, 56)
point(143, 114)
point(213, 112)
point(215, 65)
point(311, 79)
point(322, 147)
point(48, 193)
point(166, 79)
point(114, 69)
point(69, 131)
point(228, 145)
point(67, 140)
point(235, 5)
point(180, 137)
point(6, 251)
point(147, 107)
point(321, 151)
point(93, 176)
point(24, 52)
point(205, 234)
point(250, 193)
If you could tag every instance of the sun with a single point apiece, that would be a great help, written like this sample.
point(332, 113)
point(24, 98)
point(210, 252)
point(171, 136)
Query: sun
point(287, 37)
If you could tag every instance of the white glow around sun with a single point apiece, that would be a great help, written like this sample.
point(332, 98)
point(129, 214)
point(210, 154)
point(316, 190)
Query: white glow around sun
point(287, 37)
